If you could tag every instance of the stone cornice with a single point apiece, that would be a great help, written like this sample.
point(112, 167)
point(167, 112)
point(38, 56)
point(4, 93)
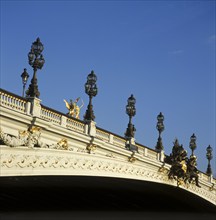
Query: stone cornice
point(24, 161)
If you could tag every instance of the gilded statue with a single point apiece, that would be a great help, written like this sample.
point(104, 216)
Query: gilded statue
point(183, 169)
point(73, 107)
point(192, 170)
point(179, 159)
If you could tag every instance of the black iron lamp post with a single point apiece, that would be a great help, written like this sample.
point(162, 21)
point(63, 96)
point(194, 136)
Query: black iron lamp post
point(209, 157)
point(25, 77)
point(193, 143)
point(129, 134)
point(37, 61)
point(91, 90)
point(160, 128)
point(131, 111)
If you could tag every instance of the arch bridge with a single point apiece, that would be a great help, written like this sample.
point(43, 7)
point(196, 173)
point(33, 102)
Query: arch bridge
point(37, 141)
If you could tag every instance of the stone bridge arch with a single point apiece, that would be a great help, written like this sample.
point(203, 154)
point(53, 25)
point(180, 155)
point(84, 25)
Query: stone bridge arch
point(39, 142)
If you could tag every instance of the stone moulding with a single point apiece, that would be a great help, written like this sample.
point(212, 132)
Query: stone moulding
point(25, 161)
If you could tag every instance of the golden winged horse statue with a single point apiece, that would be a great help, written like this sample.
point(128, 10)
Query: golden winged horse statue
point(74, 109)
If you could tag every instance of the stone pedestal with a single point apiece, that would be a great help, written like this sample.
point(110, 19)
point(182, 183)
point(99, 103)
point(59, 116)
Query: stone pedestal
point(131, 145)
point(91, 128)
point(35, 107)
point(210, 178)
point(161, 156)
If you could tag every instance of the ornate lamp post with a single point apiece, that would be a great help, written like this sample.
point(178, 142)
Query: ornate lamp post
point(209, 157)
point(160, 128)
point(193, 143)
point(129, 134)
point(37, 61)
point(131, 111)
point(91, 90)
point(25, 77)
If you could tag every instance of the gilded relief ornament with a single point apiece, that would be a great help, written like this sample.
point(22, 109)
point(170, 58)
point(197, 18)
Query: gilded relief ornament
point(163, 169)
point(132, 158)
point(31, 138)
point(91, 147)
point(61, 145)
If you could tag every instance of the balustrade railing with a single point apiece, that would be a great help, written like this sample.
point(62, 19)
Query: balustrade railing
point(18, 103)
point(75, 125)
point(152, 154)
point(50, 116)
point(102, 135)
point(57, 118)
point(12, 101)
point(120, 142)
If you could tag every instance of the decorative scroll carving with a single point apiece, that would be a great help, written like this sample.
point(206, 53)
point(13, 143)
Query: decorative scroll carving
point(76, 162)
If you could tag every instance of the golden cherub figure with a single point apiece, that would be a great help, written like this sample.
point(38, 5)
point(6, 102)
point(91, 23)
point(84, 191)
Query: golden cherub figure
point(74, 109)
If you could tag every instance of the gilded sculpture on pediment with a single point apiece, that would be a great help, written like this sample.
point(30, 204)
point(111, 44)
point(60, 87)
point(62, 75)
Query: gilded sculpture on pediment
point(73, 107)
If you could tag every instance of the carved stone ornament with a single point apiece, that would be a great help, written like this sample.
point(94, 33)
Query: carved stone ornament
point(61, 145)
point(30, 138)
point(211, 188)
point(132, 159)
point(91, 147)
point(162, 169)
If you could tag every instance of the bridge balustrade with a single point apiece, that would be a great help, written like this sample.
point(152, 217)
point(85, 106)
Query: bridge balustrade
point(75, 125)
point(12, 101)
point(50, 116)
point(118, 141)
point(105, 136)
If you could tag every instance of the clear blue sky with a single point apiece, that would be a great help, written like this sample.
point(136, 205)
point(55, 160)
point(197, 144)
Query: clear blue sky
point(163, 52)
